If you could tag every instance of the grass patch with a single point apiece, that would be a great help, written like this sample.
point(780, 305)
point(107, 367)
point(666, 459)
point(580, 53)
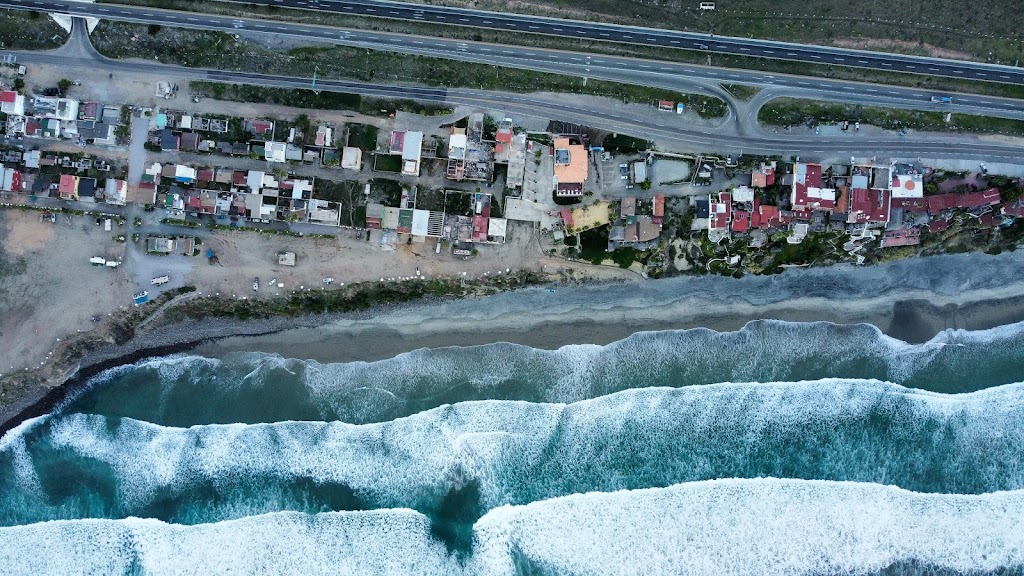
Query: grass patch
point(311, 99)
point(387, 163)
point(363, 136)
point(741, 91)
point(622, 144)
point(201, 49)
point(790, 112)
point(22, 30)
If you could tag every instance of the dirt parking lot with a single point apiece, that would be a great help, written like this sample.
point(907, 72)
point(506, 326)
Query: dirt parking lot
point(47, 286)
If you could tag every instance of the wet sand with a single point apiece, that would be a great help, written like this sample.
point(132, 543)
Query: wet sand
point(912, 300)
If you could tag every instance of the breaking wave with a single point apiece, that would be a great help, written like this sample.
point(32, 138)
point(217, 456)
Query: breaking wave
point(456, 462)
point(736, 527)
point(256, 387)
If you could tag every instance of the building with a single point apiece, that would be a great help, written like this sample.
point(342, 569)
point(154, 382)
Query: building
point(87, 189)
point(659, 209)
point(68, 187)
point(807, 192)
point(351, 158)
point(571, 168)
point(324, 136)
point(12, 103)
point(169, 141)
point(160, 245)
point(275, 151)
point(764, 176)
point(115, 191)
point(64, 109)
point(410, 146)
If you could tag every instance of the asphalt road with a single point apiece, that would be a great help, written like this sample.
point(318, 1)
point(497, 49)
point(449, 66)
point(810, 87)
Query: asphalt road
point(667, 128)
point(523, 23)
point(674, 76)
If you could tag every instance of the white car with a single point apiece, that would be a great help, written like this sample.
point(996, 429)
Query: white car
point(256, 285)
point(328, 280)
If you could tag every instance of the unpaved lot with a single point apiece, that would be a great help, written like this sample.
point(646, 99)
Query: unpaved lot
point(47, 287)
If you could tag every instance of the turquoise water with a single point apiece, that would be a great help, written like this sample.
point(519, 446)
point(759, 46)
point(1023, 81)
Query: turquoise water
point(781, 448)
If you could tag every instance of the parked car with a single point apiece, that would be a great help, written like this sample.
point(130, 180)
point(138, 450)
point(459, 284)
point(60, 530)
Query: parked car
point(256, 285)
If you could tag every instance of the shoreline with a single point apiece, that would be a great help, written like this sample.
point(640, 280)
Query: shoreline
point(907, 300)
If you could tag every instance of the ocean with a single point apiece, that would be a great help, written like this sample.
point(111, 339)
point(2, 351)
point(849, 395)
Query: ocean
point(780, 448)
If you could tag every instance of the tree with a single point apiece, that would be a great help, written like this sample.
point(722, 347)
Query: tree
point(19, 84)
point(154, 29)
point(63, 85)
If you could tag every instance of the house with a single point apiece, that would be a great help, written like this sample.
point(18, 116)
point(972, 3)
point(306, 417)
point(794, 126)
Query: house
point(10, 179)
point(275, 151)
point(627, 208)
point(659, 209)
point(741, 221)
point(719, 212)
point(324, 136)
point(410, 146)
point(807, 192)
point(764, 176)
point(259, 128)
point(941, 202)
point(87, 189)
point(115, 191)
point(55, 108)
point(351, 158)
point(189, 142)
point(68, 187)
point(12, 103)
point(31, 159)
point(89, 111)
point(571, 168)
point(169, 141)
point(184, 174)
point(869, 206)
point(374, 215)
point(907, 186)
point(160, 245)
point(292, 153)
point(457, 142)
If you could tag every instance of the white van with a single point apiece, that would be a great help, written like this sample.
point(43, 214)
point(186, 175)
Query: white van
point(707, 5)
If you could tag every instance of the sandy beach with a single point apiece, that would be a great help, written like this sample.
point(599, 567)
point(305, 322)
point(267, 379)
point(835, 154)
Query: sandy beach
point(911, 300)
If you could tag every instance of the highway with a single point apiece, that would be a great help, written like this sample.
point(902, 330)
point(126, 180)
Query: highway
point(669, 75)
point(665, 128)
point(523, 23)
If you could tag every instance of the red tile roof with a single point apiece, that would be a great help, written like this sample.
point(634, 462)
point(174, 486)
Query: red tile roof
point(659, 208)
point(721, 211)
point(869, 205)
point(68, 184)
point(802, 196)
point(910, 204)
point(1016, 209)
point(8, 96)
point(941, 202)
point(938, 225)
point(741, 221)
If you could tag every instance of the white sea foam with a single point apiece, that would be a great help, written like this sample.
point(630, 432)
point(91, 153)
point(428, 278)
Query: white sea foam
point(672, 434)
point(756, 527)
point(722, 527)
point(380, 542)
